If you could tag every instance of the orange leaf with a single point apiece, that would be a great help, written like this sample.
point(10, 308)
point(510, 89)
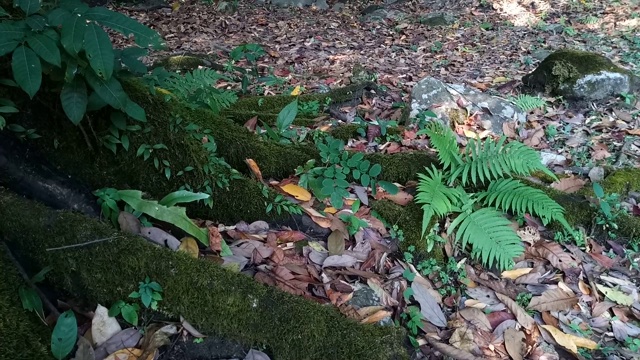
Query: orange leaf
point(254, 169)
point(297, 192)
point(190, 246)
point(215, 238)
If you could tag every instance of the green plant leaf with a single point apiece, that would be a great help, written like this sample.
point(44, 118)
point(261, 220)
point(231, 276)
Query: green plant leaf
point(57, 16)
point(389, 187)
point(287, 115)
point(99, 51)
point(110, 90)
point(182, 196)
point(28, 6)
point(143, 35)
point(40, 275)
point(135, 111)
point(72, 33)
point(31, 301)
point(598, 190)
point(45, 47)
point(3, 12)
point(7, 45)
point(27, 70)
point(375, 170)
point(130, 314)
point(64, 335)
point(12, 31)
point(36, 22)
point(74, 99)
point(114, 310)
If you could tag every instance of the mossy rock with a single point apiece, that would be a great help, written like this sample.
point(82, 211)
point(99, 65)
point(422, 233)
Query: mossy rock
point(22, 335)
point(184, 62)
point(213, 299)
point(580, 75)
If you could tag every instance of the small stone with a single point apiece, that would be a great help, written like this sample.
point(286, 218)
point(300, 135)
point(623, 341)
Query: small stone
point(596, 174)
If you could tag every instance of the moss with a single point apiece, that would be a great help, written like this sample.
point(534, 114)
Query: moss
point(402, 167)
point(350, 131)
point(23, 335)
point(559, 71)
point(183, 62)
point(214, 300)
point(622, 181)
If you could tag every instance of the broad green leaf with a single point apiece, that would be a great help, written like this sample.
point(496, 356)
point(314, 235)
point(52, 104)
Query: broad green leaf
point(41, 274)
point(598, 190)
point(287, 115)
point(7, 45)
point(99, 50)
point(3, 12)
point(28, 6)
point(10, 31)
point(31, 300)
point(173, 215)
point(143, 35)
point(36, 22)
point(110, 91)
point(74, 6)
point(182, 196)
point(74, 99)
point(130, 314)
point(57, 16)
point(131, 59)
point(135, 111)
point(8, 109)
point(95, 102)
point(72, 33)
point(45, 47)
point(64, 335)
point(27, 70)
point(389, 187)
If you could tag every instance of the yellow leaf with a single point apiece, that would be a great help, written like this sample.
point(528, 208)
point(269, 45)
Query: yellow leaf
point(297, 192)
point(296, 91)
point(500, 79)
point(330, 210)
point(561, 338)
point(515, 273)
point(175, 5)
point(128, 354)
point(190, 246)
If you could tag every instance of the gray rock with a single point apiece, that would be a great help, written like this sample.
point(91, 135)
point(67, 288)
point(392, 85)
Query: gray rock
point(432, 94)
point(541, 54)
point(438, 19)
point(364, 296)
point(581, 76)
point(378, 13)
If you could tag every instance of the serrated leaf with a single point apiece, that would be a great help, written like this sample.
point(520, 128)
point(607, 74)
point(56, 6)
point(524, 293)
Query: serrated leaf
point(553, 300)
point(72, 33)
point(99, 51)
point(74, 99)
point(143, 35)
point(110, 91)
point(64, 335)
point(27, 70)
point(45, 47)
point(28, 6)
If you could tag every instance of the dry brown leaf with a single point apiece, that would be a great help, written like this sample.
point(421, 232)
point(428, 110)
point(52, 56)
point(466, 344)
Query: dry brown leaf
point(255, 169)
point(521, 315)
point(569, 185)
point(514, 342)
point(476, 317)
point(377, 316)
point(535, 138)
point(553, 300)
point(401, 198)
point(335, 243)
point(584, 288)
point(553, 252)
point(462, 338)
point(568, 341)
point(549, 319)
point(450, 350)
point(515, 273)
point(215, 238)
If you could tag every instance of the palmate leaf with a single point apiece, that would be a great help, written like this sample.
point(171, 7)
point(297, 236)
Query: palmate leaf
point(491, 236)
point(436, 198)
point(143, 35)
point(490, 160)
point(519, 198)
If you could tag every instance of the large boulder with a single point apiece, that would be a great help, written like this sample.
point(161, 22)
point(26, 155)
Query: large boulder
point(580, 76)
point(443, 99)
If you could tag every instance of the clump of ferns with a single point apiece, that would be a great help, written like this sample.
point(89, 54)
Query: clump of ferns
point(479, 216)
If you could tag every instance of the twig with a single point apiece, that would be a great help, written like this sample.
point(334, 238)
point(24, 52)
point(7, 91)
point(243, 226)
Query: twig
point(83, 244)
point(26, 278)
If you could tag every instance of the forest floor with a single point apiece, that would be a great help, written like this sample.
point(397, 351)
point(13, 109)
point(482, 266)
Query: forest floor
point(583, 295)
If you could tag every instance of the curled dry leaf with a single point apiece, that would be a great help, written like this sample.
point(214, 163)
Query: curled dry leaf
point(521, 315)
point(462, 338)
point(129, 223)
point(401, 198)
point(553, 300)
point(553, 252)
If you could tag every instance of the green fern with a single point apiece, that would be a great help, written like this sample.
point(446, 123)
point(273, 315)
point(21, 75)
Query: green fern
point(436, 198)
point(198, 89)
point(490, 234)
point(483, 162)
point(444, 140)
point(528, 102)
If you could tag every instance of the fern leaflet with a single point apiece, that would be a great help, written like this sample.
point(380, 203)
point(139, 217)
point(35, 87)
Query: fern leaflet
point(528, 102)
point(512, 195)
point(437, 198)
point(490, 234)
point(198, 88)
point(444, 140)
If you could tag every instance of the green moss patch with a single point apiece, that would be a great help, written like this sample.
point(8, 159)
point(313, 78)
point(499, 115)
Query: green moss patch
point(214, 300)
point(22, 335)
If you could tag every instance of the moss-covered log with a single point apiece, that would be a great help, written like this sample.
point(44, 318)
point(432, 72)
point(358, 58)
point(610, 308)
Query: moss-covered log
point(22, 335)
point(215, 300)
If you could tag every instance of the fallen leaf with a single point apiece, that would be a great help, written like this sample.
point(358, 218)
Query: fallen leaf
point(553, 252)
point(129, 223)
point(515, 273)
point(339, 261)
point(521, 315)
point(103, 327)
point(429, 307)
point(514, 342)
point(462, 338)
point(401, 198)
point(297, 192)
point(85, 350)
point(251, 124)
point(255, 169)
point(569, 185)
point(189, 245)
point(616, 295)
point(335, 243)
point(477, 318)
point(568, 341)
point(535, 138)
point(256, 355)
point(296, 91)
point(553, 300)
point(377, 316)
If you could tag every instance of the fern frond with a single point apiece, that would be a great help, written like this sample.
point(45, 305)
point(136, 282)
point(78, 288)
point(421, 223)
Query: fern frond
point(528, 102)
point(444, 140)
point(519, 198)
point(492, 160)
point(491, 236)
point(436, 198)
point(197, 87)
